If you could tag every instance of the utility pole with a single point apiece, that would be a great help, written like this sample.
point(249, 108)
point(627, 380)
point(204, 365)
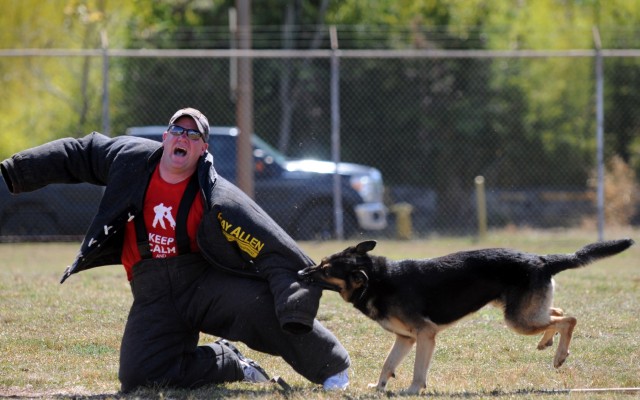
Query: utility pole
point(244, 104)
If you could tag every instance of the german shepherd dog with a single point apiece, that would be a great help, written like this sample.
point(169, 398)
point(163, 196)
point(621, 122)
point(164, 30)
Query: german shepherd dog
point(416, 299)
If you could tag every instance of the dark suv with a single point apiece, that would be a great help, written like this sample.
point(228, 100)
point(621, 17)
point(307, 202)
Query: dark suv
point(298, 194)
point(55, 212)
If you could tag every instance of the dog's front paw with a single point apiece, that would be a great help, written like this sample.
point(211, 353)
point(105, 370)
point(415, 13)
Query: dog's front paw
point(380, 386)
point(413, 389)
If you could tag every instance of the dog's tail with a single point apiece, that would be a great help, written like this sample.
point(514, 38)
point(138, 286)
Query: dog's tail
point(556, 263)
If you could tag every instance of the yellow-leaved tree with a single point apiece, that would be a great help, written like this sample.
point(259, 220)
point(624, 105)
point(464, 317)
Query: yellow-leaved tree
point(43, 96)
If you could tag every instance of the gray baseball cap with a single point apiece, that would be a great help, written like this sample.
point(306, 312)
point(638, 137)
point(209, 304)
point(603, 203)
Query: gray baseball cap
point(201, 121)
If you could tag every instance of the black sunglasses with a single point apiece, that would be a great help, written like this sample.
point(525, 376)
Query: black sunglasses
point(177, 130)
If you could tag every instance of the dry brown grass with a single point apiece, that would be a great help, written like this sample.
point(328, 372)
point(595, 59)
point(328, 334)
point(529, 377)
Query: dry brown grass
point(621, 192)
point(63, 340)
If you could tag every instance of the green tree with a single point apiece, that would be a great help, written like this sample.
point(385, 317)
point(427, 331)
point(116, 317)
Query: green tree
point(440, 134)
point(558, 88)
point(486, 115)
point(535, 116)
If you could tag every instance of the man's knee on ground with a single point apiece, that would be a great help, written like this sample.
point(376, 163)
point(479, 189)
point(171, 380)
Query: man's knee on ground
point(133, 375)
point(130, 380)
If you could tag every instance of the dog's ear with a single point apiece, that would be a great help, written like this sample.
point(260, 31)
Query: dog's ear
point(363, 247)
point(359, 277)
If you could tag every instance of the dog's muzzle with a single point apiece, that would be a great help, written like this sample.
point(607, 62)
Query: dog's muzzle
point(307, 275)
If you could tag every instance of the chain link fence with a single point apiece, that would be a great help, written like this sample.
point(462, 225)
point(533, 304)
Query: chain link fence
point(430, 122)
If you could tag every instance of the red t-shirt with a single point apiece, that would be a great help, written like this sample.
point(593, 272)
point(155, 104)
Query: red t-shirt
point(160, 209)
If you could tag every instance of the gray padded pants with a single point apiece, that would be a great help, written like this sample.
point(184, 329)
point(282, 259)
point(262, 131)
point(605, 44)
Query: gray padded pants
point(177, 298)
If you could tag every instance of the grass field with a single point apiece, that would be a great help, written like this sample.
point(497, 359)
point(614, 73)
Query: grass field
point(60, 341)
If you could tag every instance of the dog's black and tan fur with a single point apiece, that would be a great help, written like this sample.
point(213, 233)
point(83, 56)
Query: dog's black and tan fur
point(416, 299)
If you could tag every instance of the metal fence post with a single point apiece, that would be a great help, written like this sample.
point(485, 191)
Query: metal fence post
point(481, 205)
point(599, 132)
point(335, 133)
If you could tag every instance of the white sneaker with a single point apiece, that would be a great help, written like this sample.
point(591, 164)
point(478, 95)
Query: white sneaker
point(252, 371)
point(339, 381)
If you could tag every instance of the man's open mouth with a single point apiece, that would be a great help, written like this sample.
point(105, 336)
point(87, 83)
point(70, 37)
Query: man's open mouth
point(180, 151)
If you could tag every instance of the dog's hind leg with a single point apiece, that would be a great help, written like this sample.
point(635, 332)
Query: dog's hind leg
point(547, 338)
point(564, 326)
point(561, 324)
point(424, 351)
point(400, 348)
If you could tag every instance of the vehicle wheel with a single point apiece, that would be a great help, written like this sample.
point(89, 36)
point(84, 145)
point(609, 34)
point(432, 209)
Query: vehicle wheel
point(350, 223)
point(317, 223)
point(28, 224)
